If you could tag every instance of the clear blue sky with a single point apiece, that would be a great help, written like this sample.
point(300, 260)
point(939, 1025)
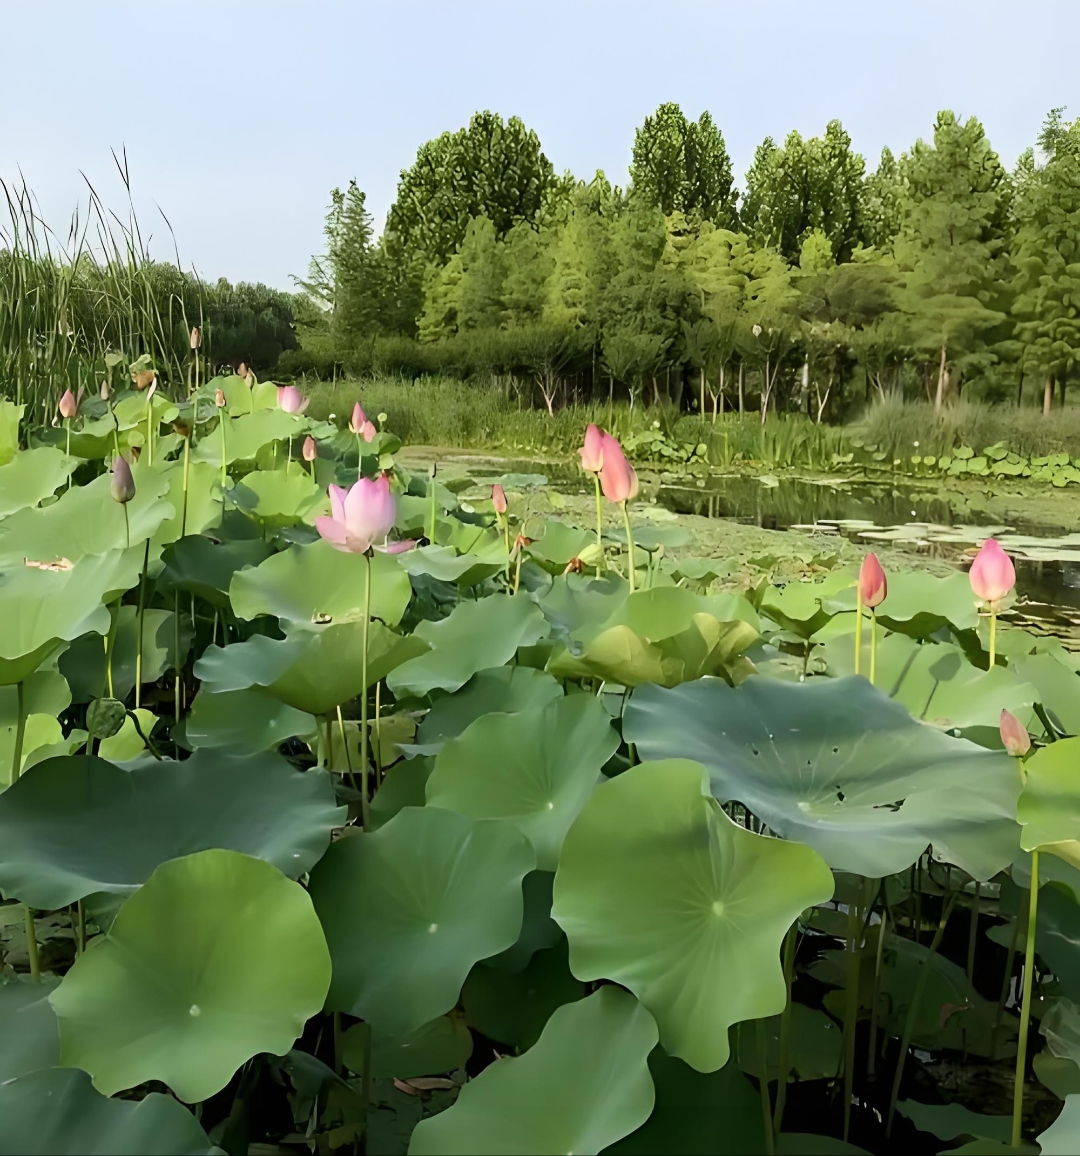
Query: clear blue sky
point(239, 116)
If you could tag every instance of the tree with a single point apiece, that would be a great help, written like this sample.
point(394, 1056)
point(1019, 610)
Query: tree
point(882, 200)
point(683, 166)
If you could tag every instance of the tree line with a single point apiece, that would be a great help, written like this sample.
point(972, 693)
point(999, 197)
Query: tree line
point(819, 284)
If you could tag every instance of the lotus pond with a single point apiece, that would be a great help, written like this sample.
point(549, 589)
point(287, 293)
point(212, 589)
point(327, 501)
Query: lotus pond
point(512, 841)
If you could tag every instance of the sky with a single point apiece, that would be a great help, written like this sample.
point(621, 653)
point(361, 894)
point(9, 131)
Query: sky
point(239, 116)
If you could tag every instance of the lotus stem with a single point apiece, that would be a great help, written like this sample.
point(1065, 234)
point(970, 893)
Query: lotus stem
point(1025, 1008)
point(1006, 981)
point(973, 931)
point(993, 639)
point(110, 639)
point(80, 937)
point(873, 646)
point(288, 463)
point(785, 1029)
point(187, 461)
point(377, 750)
point(599, 527)
point(345, 746)
point(365, 815)
point(763, 1083)
point(176, 655)
point(149, 431)
point(20, 732)
point(505, 518)
point(630, 544)
point(517, 569)
point(871, 1054)
point(139, 626)
point(851, 1009)
point(858, 627)
point(67, 425)
point(431, 484)
point(127, 528)
point(221, 421)
point(32, 946)
point(360, 460)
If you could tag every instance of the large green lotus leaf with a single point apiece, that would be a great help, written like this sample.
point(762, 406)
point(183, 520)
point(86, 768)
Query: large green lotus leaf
point(204, 501)
point(837, 764)
point(538, 929)
point(660, 891)
point(409, 908)
point(216, 958)
point(558, 545)
point(667, 611)
point(85, 520)
point(33, 475)
point(447, 565)
point(948, 1121)
point(74, 826)
point(535, 769)
point(475, 636)
point(1049, 807)
point(590, 1066)
point(317, 583)
point(1062, 1138)
point(1058, 688)
point(198, 565)
point(28, 1033)
point(257, 661)
point(247, 434)
point(804, 608)
point(237, 393)
point(483, 545)
point(41, 730)
point(45, 608)
point(505, 689)
point(403, 785)
point(133, 410)
point(10, 417)
point(280, 497)
point(579, 604)
point(1061, 1026)
point(697, 1113)
point(815, 1045)
point(128, 743)
point(93, 440)
point(937, 684)
point(44, 692)
point(513, 1007)
point(57, 1112)
point(443, 1045)
point(246, 720)
point(918, 603)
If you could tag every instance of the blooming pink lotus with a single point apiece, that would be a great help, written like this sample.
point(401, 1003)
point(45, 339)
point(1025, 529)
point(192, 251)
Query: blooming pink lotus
point(992, 574)
point(361, 516)
point(498, 498)
point(617, 477)
point(358, 419)
point(1014, 735)
point(310, 450)
point(592, 452)
point(68, 405)
point(122, 484)
point(873, 585)
point(291, 400)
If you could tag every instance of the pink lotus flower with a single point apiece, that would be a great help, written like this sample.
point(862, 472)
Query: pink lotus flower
point(361, 516)
point(291, 400)
point(358, 419)
point(992, 574)
point(310, 451)
point(196, 337)
point(219, 398)
point(592, 452)
point(68, 406)
point(122, 484)
point(498, 498)
point(368, 431)
point(873, 585)
point(1014, 737)
point(617, 477)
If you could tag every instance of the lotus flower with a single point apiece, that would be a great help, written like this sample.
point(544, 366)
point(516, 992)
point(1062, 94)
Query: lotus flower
point(105, 391)
point(873, 585)
point(122, 485)
point(368, 431)
point(68, 406)
point(219, 398)
point(498, 498)
point(196, 337)
point(358, 419)
point(361, 516)
point(1014, 736)
point(592, 452)
point(617, 477)
point(992, 573)
point(309, 451)
point(291, 400)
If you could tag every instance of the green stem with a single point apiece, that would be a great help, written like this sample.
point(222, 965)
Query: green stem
point(80, 940)
point(176, 655)
point(377, 751)
point(365, 816)
point(187, 459)
point(127, 528)
point(505, 518)
point(32, 947)
point(973, 931)
point(858, 628)
point(871, 1054)
point(221, 422)
point(1006, 981)
point(599, 527)
point(139, 625)
point(763, 1083)
point(67, 423)
point(110, 639)
point(630, 544)
point(20, 732)
point(288, 463)
point(1025, 1007)
point(345, 747)
point(431, 483)
point(785, 1029)
point(873, 647)
point(993, 648)
point(851, 1010)
point(149, 431)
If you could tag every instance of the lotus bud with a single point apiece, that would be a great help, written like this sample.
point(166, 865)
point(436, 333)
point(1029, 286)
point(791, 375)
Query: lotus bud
point(618, 479)
point(756, 330)
point(368, 431)
point(104, 392)
point(122, 484)
point(219, 398)
point(992, 574)
point(358, 419)
point(68, 406)
point(1014, 736)
point(592, 452)
point(498, 498)
point(196, 337)
point(873, 585)
point(291, 400)
point(310, 451)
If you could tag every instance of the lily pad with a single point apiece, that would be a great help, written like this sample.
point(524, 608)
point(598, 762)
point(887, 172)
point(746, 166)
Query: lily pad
point(919, 603)
point(198, 565)
point(246, 434)
point(591, 1061)
point(408, 909)
point(216, 958)
point(534, 769)
point(33, 475)
point(504, 689)
point(839, 765)
point(660, 891)
point(1049, 807)
point(78, 825)
point(28, 1034)
point(245, 720)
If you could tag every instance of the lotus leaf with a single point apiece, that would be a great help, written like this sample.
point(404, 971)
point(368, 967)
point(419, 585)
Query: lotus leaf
point(198, 565)
point(28, 1033)
point(1062, 1138)
point(504, 689)
point(33, 475)
point(1049, 807)
point(443, 1045)
point(246, 720)
point(247, 434)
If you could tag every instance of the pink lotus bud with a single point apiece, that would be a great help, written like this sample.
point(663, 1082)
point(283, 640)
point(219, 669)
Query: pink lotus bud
point(358, 419)
point(196, 337)
point(1014, 737)
point(992, 573)
point(592, 452)
point(291, 400)
point(219, 398)
point(368, 431)
point(122, 485)
point(617, 477)
point(873, 585)
point(360, 516)
point(498, 498)
point(309, 451)
point(68, 406)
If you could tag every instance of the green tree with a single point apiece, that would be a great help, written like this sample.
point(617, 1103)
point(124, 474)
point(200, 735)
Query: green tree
point(882, 201)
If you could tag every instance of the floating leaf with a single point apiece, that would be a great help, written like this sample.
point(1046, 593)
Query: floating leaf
point(31, 476)
point(198, 565)
point(28, 1033)
point(1049, 807)
point(503, 689)
point(245, 720)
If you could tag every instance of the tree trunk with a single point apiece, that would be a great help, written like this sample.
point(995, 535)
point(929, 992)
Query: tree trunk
point(742, 408)
point(1048, 395)
point(1062, 383)
point(939, 396)
point(701, 407)
point(1020, 389)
